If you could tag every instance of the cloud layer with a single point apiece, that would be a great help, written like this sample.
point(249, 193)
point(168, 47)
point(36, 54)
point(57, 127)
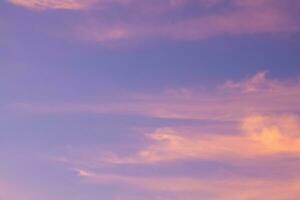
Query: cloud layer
point(231, 101)
point(260, 136)
point(173, 19)
point(213, 189)
point(53, 4)
point(263, 141)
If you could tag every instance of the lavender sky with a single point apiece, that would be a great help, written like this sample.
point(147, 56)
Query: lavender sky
point(149, 99)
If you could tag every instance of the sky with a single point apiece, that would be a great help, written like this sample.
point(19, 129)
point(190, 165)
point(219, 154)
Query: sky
point(149, 99)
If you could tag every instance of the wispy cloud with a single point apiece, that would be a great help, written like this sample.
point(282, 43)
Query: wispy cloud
point(265, 125)
point(256, 83)
point(245, 18)
point(230, 188)
point(232, 101)
point(13, 191)
point(264, 112)
point(53, 4)
point(156, 19)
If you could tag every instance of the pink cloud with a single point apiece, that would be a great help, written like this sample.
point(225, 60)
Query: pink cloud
point(53, 4)
point(232, 101)
point(231, 188)
point(264, 125)
point(256, 83)
point(246, 17)
point(14, 191)
point(259, 136)
point(196, 28)
point(151, 19)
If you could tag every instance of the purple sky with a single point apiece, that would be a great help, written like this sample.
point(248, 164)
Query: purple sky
point(149, 99)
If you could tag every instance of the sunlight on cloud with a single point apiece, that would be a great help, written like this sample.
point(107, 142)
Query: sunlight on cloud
point(180, 116)
point(254, 124)
point(260, 136)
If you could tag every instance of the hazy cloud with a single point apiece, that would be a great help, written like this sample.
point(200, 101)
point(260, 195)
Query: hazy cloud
point(144, 19)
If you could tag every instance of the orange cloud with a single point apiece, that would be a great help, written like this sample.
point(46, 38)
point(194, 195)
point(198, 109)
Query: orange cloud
point(264, 127)
point(261, 136)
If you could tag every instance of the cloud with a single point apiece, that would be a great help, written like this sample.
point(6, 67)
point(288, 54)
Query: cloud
point(260, 136)
point(53, 4)
point(252, 138)
point(277, 137)
point(231, 101)
point(263, 114)
point(172, 19)
point(239, 21)
point(230, 188)
point(255, 83)
point(13, 191)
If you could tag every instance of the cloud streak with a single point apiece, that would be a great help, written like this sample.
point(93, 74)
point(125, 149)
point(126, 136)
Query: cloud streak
point(231, 188)
point(259, 130)
point(244, 19)
point(13, 191)
point(173, 19)
point(53, 4)
point(231, 101)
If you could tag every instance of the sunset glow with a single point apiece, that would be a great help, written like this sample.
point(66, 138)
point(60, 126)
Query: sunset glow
point(150, 100)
